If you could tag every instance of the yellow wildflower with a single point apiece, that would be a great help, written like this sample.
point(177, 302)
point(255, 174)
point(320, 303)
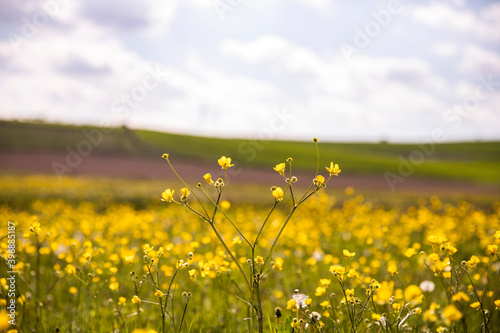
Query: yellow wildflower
point(392, 268)
point(208, 178)
point(291, 304)
point(225, 204)
point(114, 285)
point(278, 264)
point(70, 269)
point(325, 282)
point(492, 249)
point(352, 273)
point(278, 193)
point(192, 274)
point(348, 254)
point(280, 168)
point(35, 227)
point(497, 304)
point(497, 234)
point(259, 260)
point(324, 304)
point(410, 252)
point(460, 297)
point(295, 323)
point(319, 180)
point(434, 257)
point(413, 293)
point(376, 316)
point(475, 305)
point(333, 170)
point(185, 191)
point(320, 291)
point(473, 261)
point(337, 270)
point(225, 162)
point(122, 300)
point(451, 313)
point(236, 240)
point(167, 195)
point(158, 293)
point(73, 290)
point(136, 299)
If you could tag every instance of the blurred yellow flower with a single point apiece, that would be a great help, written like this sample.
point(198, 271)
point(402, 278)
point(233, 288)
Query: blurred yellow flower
point(410, 252)
point(278, 263)
point(473, 261)
point(70, 269)
point(348, 254)
point(392, 268)
point(460, 297)
point(451, 314)
point(291, 304)
point(35, 227)
point(136, 299)
point(492, 249)
point(73, 290)
point(225, 205)
point(208, 178)
point(475, 305)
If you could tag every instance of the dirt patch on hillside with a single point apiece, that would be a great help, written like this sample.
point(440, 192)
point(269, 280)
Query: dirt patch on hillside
point(128, 167)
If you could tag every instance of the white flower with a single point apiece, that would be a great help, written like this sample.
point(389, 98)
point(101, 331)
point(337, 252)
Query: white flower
point(427, 286)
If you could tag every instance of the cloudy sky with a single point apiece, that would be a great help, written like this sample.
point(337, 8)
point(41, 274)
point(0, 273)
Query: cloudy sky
point(339, 70)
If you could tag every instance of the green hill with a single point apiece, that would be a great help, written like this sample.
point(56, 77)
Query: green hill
point(470, 161)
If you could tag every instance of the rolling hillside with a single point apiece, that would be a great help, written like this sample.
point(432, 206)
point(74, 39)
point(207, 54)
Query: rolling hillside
point(471, 161)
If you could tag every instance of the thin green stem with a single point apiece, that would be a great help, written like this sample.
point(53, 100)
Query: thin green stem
point(277, 237)
point(228, 218)
point(263, 224)
point(183, 314)
point(187, 186)
point(317, 156)
point(231, 255)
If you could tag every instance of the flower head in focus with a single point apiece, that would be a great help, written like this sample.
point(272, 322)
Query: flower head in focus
point(225, 162)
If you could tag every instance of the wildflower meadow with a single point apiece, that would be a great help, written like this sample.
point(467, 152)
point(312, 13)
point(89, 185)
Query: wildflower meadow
point(78, 257)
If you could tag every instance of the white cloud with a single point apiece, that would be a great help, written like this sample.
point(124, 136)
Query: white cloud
point(446, 50)
point(479, 61)
point(485, 25)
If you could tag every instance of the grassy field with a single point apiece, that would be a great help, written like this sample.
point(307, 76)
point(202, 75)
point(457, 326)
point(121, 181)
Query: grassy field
point(97, 255)
point(475, 161)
